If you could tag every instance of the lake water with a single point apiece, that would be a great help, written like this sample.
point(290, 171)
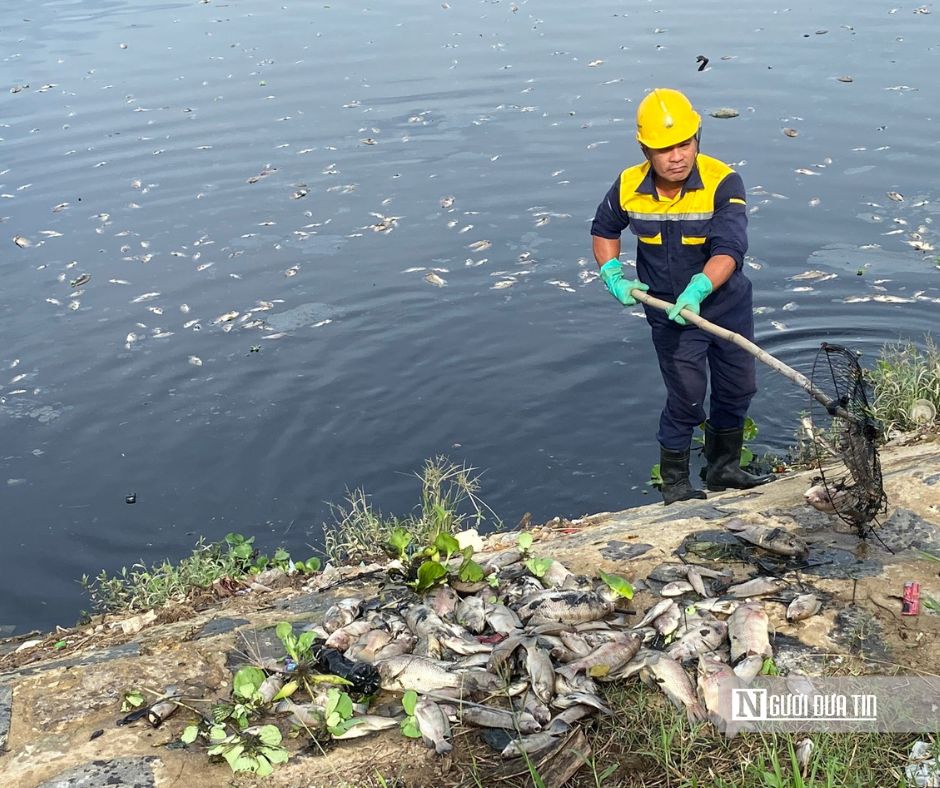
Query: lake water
point(198, 159)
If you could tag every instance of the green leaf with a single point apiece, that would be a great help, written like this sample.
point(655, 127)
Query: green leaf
point(333, 719)
point(284, 631)
point(445, 543)
point(276, 754)
point(313, 565)
point(301, 567)
point(524, 541)
point(618, 584)
point(409, 727)
point(269, 735)
point(428, 574)
point(769, 668)
point(340, 728)
point(398, 540)
point(190, 732)
point(750, 429)
point(217, 733)
point(305, 641)
point(656, 478)
point(747, 456)
point(264, 767)
point(328, 678)
point(243, 551)
point(232, 754)
point(60, 644)
point(132, 700)
point(929, 556)
point(470, 571)
point(344, 707)
point(281, 556)
point(332, 700)
point(247, 681)
point(408, 701)
point(538, 566)
point(286, 691)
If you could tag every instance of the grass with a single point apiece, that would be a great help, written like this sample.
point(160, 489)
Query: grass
point(651, 744)
point(903, 374)
point(449, 503)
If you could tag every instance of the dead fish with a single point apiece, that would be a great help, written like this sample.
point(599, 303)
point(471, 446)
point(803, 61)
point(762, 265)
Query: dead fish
point(529, 744)
point(308, 716)
point(695, 580)
point(566, 607)
point(791, 132)
point(776, 539)
point(759, 586)
point(345, 636)
point(369, 723)
point(749, 668)
point(605, 659)
point(434, 725)
point(480, 246)
point(802, 607)
point(433, 279)
point(704, 637)
point(471, 613)
point(225, 318)
point(724, 606)
point(676, 588)
point(724, 112)
point(342, 613)
point(485, 717)
point(818, 497)
point(540, 669)
point(443, 600)
point(748, 632)
point(654, 612)
point(369, 645)
point(667, 622)
point(22, 241)
point(503, 619)
point(672, 679)
point(421, 674)
point(715, 682)
point(556, 575)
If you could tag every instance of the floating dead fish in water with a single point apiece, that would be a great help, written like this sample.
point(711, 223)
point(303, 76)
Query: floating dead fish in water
point(748, 632)
point(263, 174)
point(896, 196)
point(776, 539)
point(759, 586)
point(84, 279)
point(433, 279)
point(22, 241)
point(502, 284)
point(195, 361)
point(845, 78)
point(791, 132)
point(447, 202)
point(724, 112)
point(225, 318)
point(144, 297)
point(804, 171)
point(480, 246)
point(802, 607)
point(921, 246)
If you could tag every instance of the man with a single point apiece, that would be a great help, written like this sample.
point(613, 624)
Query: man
point(688, 212)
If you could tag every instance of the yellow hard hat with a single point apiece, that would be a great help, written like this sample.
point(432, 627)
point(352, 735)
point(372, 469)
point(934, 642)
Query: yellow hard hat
point(664, 118)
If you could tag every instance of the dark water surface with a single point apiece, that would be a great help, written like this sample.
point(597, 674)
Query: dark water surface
point(129, 132)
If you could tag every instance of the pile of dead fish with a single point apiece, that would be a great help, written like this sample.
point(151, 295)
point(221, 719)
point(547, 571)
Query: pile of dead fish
point(521, 657)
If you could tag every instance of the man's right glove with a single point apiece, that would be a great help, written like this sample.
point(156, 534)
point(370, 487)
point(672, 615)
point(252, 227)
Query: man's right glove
point(617, 286)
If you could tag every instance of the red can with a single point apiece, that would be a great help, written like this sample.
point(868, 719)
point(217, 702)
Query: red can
point(910, 602)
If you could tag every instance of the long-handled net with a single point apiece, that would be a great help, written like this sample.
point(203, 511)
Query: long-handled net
point(847, 451)
point(847, 434)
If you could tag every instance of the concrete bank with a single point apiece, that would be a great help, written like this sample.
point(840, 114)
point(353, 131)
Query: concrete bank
point(59, 707)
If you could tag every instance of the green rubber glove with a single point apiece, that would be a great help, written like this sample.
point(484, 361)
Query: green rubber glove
point(617, 286)
point(696, 290)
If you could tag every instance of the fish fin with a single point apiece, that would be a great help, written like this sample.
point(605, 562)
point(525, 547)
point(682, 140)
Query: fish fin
point(696, 713)
point(443, 747)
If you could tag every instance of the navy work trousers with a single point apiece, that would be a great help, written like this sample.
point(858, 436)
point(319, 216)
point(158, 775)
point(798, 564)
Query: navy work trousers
point(688, 358)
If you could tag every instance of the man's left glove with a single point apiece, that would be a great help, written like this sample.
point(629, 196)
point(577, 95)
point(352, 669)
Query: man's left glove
point(696, 290)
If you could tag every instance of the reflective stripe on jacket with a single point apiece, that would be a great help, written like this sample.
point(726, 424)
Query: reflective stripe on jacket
point(675, 238)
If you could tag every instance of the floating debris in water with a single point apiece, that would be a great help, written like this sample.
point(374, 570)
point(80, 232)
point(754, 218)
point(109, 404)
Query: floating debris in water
point(433, 279)
point(791, 132)
point(724, 112)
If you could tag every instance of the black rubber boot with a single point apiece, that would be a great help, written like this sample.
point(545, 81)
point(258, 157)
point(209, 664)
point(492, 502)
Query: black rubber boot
point(674, 470)
point(723, 455)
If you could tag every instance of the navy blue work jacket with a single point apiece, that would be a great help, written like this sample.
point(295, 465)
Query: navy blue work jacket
point(675, 238)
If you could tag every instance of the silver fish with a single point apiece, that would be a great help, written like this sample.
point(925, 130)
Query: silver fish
point(540, 670)
point(605, 659)
point(566, 607)
point(747, 631)
point(434, 726)
point(715, 682)
point(485, 717)
point(667, 622)
point(562, 722)
point(672, 679)
point(369, 723)
point(712, 605)
point(503, 620)
point(502, 651)
point(471, 613)
point(529, 744)
point(802, 607)
point(556, 575)
point(443, 600)
point(580, 698)
point(759, 586)
point(655, 612)
point(776, 539)
point(676, 588)
point(342, 613)
point(705, 637)
point(749, 668)
point(369, 645)
point(345, 636)
point(418, 673)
